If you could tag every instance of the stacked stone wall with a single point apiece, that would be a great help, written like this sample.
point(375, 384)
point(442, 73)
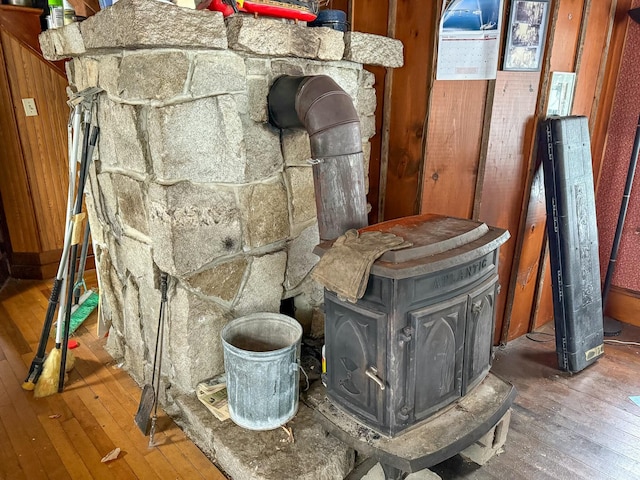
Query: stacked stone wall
point(191, 179)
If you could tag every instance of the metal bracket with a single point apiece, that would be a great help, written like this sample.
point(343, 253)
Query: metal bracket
point(405, 336)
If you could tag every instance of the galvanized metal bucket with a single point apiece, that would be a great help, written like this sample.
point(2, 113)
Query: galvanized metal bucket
point(261, 360)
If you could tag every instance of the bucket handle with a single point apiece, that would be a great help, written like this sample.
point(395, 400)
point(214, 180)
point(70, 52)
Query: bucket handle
point(295, 367)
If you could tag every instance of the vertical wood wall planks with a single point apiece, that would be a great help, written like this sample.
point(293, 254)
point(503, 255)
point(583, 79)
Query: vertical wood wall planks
point(409, 98)
point(593, 54)
point(589, 37)
point(437, 158)
point(18, 207)
point(566, 35)
point(371, 16)
point(511, 132)
point(43, 138)
point(452, 152)
point(531, 230)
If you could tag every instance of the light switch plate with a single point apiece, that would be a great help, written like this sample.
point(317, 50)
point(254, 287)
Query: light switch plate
point(29, 105)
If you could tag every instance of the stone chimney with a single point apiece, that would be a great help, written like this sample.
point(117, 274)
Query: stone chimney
point(191, 179)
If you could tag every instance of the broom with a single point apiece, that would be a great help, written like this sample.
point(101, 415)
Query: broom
point(78, 218)
point(37, 365)
point(87, 303)
point(48, 381)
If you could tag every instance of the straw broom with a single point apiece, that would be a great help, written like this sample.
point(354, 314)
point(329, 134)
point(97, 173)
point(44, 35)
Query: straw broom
point(48, 382)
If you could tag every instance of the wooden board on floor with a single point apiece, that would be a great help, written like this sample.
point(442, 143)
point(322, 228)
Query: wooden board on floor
point(454, 137)
point(512, 130)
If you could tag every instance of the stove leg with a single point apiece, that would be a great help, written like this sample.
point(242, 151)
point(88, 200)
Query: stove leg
point(393, 473)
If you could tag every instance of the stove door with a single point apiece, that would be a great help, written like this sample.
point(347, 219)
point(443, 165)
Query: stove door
point(355, 343)
point(479, 337)
point(435, 357)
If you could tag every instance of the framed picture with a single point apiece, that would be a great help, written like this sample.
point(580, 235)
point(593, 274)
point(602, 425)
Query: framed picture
point(526, 35)
point(561, 93)
point(469, 39)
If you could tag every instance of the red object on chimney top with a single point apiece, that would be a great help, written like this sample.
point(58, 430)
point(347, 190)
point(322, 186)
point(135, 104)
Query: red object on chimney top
point(271, 8)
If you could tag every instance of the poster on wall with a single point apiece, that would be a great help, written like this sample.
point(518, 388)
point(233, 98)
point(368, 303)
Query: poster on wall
point(561, 93)
point(469, 39)
point(526, 34)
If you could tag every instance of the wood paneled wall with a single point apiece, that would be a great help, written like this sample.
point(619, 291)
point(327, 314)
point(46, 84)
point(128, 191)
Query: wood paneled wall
point(33, 157)
point(43, 139)
point(408, 101)
point(18, 207)
point(468, 148)
point(453, 148)
point(512, 128)
point(374, 14)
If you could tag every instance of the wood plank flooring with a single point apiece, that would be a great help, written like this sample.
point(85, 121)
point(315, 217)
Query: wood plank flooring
point(65, 436)
point(581, 426)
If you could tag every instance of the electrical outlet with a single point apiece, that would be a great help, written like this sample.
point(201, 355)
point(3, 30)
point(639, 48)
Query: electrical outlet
point(29, 105)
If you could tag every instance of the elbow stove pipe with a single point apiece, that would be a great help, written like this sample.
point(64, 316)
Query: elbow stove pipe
point(326, 112)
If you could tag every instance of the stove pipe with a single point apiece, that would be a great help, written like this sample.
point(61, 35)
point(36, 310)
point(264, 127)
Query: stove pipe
point(319, 105)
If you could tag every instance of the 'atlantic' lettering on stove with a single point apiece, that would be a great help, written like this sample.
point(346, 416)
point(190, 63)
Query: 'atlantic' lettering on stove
point(460, 274)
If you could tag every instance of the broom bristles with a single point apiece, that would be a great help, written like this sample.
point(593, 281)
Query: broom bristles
point(48, 382)
point(84, 308)
point(80, 312)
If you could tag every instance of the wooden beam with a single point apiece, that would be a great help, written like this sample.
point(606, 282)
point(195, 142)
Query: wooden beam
point(604, 101)
point(484, 147)
point(386, 116)
point(453, 146)
point(508, 157)
point(409, 97)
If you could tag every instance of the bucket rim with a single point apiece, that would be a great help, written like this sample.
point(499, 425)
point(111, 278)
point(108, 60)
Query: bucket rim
point(255, 317)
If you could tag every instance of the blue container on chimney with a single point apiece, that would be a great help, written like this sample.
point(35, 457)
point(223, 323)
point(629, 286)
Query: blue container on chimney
point(336, 19)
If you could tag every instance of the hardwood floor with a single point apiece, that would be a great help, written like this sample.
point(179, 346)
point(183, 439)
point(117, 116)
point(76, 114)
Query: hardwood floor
point(581, 426)
point(66, 435)
point(562, 427)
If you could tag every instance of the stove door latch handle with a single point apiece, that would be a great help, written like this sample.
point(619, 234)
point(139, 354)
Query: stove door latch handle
point(372, 373)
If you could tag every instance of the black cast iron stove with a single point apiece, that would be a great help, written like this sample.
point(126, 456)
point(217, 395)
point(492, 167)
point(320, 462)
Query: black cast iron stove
point(422, 335)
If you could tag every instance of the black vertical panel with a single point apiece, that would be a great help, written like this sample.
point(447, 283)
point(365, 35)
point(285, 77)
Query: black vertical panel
point(565, 153)
point(435, 361)
point(355, 341)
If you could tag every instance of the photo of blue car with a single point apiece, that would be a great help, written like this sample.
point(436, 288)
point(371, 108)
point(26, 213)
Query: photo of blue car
point(471, 15)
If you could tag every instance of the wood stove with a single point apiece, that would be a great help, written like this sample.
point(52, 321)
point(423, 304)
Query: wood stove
point(421, 337)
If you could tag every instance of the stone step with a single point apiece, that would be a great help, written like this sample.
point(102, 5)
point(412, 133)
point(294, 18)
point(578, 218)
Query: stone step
point(271, 455)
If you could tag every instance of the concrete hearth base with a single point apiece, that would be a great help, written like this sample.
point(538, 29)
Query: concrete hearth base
point(249, 455)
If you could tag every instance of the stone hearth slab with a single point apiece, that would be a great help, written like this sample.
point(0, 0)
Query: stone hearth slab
point(440, 437)
point(249, 455)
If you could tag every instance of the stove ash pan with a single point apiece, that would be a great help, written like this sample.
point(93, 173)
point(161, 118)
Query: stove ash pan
point(422, 335)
